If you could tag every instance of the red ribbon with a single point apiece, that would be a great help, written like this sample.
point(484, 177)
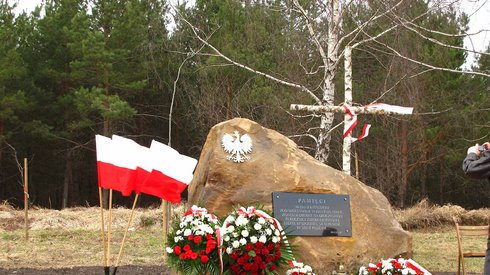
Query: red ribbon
point(353, 123)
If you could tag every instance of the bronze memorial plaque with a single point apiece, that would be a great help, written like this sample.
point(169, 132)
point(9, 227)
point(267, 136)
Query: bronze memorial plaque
point(305, 214)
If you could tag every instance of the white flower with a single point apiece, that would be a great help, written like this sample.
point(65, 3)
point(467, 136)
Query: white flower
point(240, 220)
point(229, 219)
point(182, 224)
point(227, 238)
point(230, 228)
point(229, 250)
point(243, 241)
point(169, 250)
point(178, 232)
point(275, 239)
point(234, 234)
point(277, 232)
point(245, 233)
point(261, 220)
point(262, 239)
point(187, 232)
point(235, 244)
point(253, 239)
point(268, 232)
point(178, 238)
point(257, 226)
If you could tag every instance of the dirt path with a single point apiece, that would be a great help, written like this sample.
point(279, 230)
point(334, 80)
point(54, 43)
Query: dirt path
point(90, 270)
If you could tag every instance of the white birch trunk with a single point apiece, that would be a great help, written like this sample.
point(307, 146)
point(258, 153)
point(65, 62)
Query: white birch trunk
point(330, 60)
point(347, 118)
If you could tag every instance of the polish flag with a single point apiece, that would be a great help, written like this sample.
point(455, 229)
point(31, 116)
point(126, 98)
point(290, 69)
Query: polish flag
point(170, 174)
point(113, 168)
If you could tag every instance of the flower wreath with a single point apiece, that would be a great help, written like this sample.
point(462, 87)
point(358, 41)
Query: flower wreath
point(298, 268)
point(394, 266)
point(253, 243)
point(192, 244)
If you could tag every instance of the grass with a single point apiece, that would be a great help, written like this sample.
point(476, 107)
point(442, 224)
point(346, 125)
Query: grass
point(437, 250)
point(72, 237)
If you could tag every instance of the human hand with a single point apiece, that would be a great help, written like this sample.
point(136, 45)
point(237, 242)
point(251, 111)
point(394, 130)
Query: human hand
point(474, 149)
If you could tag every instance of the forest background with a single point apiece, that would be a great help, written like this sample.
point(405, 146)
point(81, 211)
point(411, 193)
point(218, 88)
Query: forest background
point(72, 69)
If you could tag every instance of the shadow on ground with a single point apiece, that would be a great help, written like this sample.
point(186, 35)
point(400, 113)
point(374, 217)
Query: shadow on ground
point(90, 270)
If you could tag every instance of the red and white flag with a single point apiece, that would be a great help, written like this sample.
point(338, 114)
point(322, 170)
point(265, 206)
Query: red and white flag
point(113, 168)
point(170, 174)
point(126, 166)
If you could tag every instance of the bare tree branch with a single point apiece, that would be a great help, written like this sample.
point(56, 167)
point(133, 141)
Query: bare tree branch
point(195, 30)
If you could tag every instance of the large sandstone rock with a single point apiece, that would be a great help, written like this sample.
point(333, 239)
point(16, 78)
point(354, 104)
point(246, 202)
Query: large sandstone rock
point(277, 165)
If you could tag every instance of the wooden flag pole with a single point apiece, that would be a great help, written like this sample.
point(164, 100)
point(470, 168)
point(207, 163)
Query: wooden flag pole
point(125, 233)
point(164, 227)
point(104, 260)
point(109, 229)
point(26, 200)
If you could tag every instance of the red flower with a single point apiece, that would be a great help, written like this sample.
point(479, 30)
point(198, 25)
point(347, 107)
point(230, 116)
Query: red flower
point(193, 255)
point(269, 259)
point(246, 257)
point(254, 267)
point(204, 259)
point(265, 251)
point(235, 268)
point(272, 267)
point(270, 246)
point(259, 245)
point(249, 247)
point(241, 261)
point(177, 250)
point(187, 247)
point(278, 254)
point(247, 266)
point(190, 237)
point(209, 237)
point(257, 259)
point(197, 239)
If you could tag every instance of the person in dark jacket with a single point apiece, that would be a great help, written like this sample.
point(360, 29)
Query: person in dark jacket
point(477, 165)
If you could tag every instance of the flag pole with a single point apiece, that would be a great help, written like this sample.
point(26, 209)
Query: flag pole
point(125, 233)
point(109, 230)
point(104, 260)
point(26, 200)
point(164, 227)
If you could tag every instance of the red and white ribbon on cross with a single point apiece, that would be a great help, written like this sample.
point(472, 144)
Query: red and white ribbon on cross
point(390, 108)
point(353, 123)
point(373, 106)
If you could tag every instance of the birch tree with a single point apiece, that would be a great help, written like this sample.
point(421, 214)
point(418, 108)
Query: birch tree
point(323, 21)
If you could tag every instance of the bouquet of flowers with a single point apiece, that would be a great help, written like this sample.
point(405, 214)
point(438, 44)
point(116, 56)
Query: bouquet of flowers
point(192, 245)
point(393, 266)
point(254, 242)
point(299, 269)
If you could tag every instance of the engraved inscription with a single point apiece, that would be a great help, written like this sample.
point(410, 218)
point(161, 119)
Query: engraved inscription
point(313, 214)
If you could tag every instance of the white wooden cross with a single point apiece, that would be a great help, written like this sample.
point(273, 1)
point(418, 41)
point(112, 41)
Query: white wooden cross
point(346, 151)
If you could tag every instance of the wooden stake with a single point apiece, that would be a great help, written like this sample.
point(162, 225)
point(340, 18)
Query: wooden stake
point(164, 227)
point(26, 200)
point(109, 229)
point(104, 260)
point(126, 231)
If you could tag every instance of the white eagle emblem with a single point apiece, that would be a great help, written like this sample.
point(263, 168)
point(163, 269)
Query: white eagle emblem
point(237, 146)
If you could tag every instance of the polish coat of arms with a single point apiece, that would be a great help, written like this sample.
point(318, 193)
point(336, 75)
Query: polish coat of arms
point(237, 146)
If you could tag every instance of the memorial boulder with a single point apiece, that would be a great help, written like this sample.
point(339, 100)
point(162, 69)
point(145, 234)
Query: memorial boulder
point(243, 163)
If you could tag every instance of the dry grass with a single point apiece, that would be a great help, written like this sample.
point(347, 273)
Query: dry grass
point(425, 215)
point(72, 237)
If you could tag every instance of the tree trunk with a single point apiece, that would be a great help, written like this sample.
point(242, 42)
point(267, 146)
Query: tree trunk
point(68, 179)
point(404, 164)
point(324, 136)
